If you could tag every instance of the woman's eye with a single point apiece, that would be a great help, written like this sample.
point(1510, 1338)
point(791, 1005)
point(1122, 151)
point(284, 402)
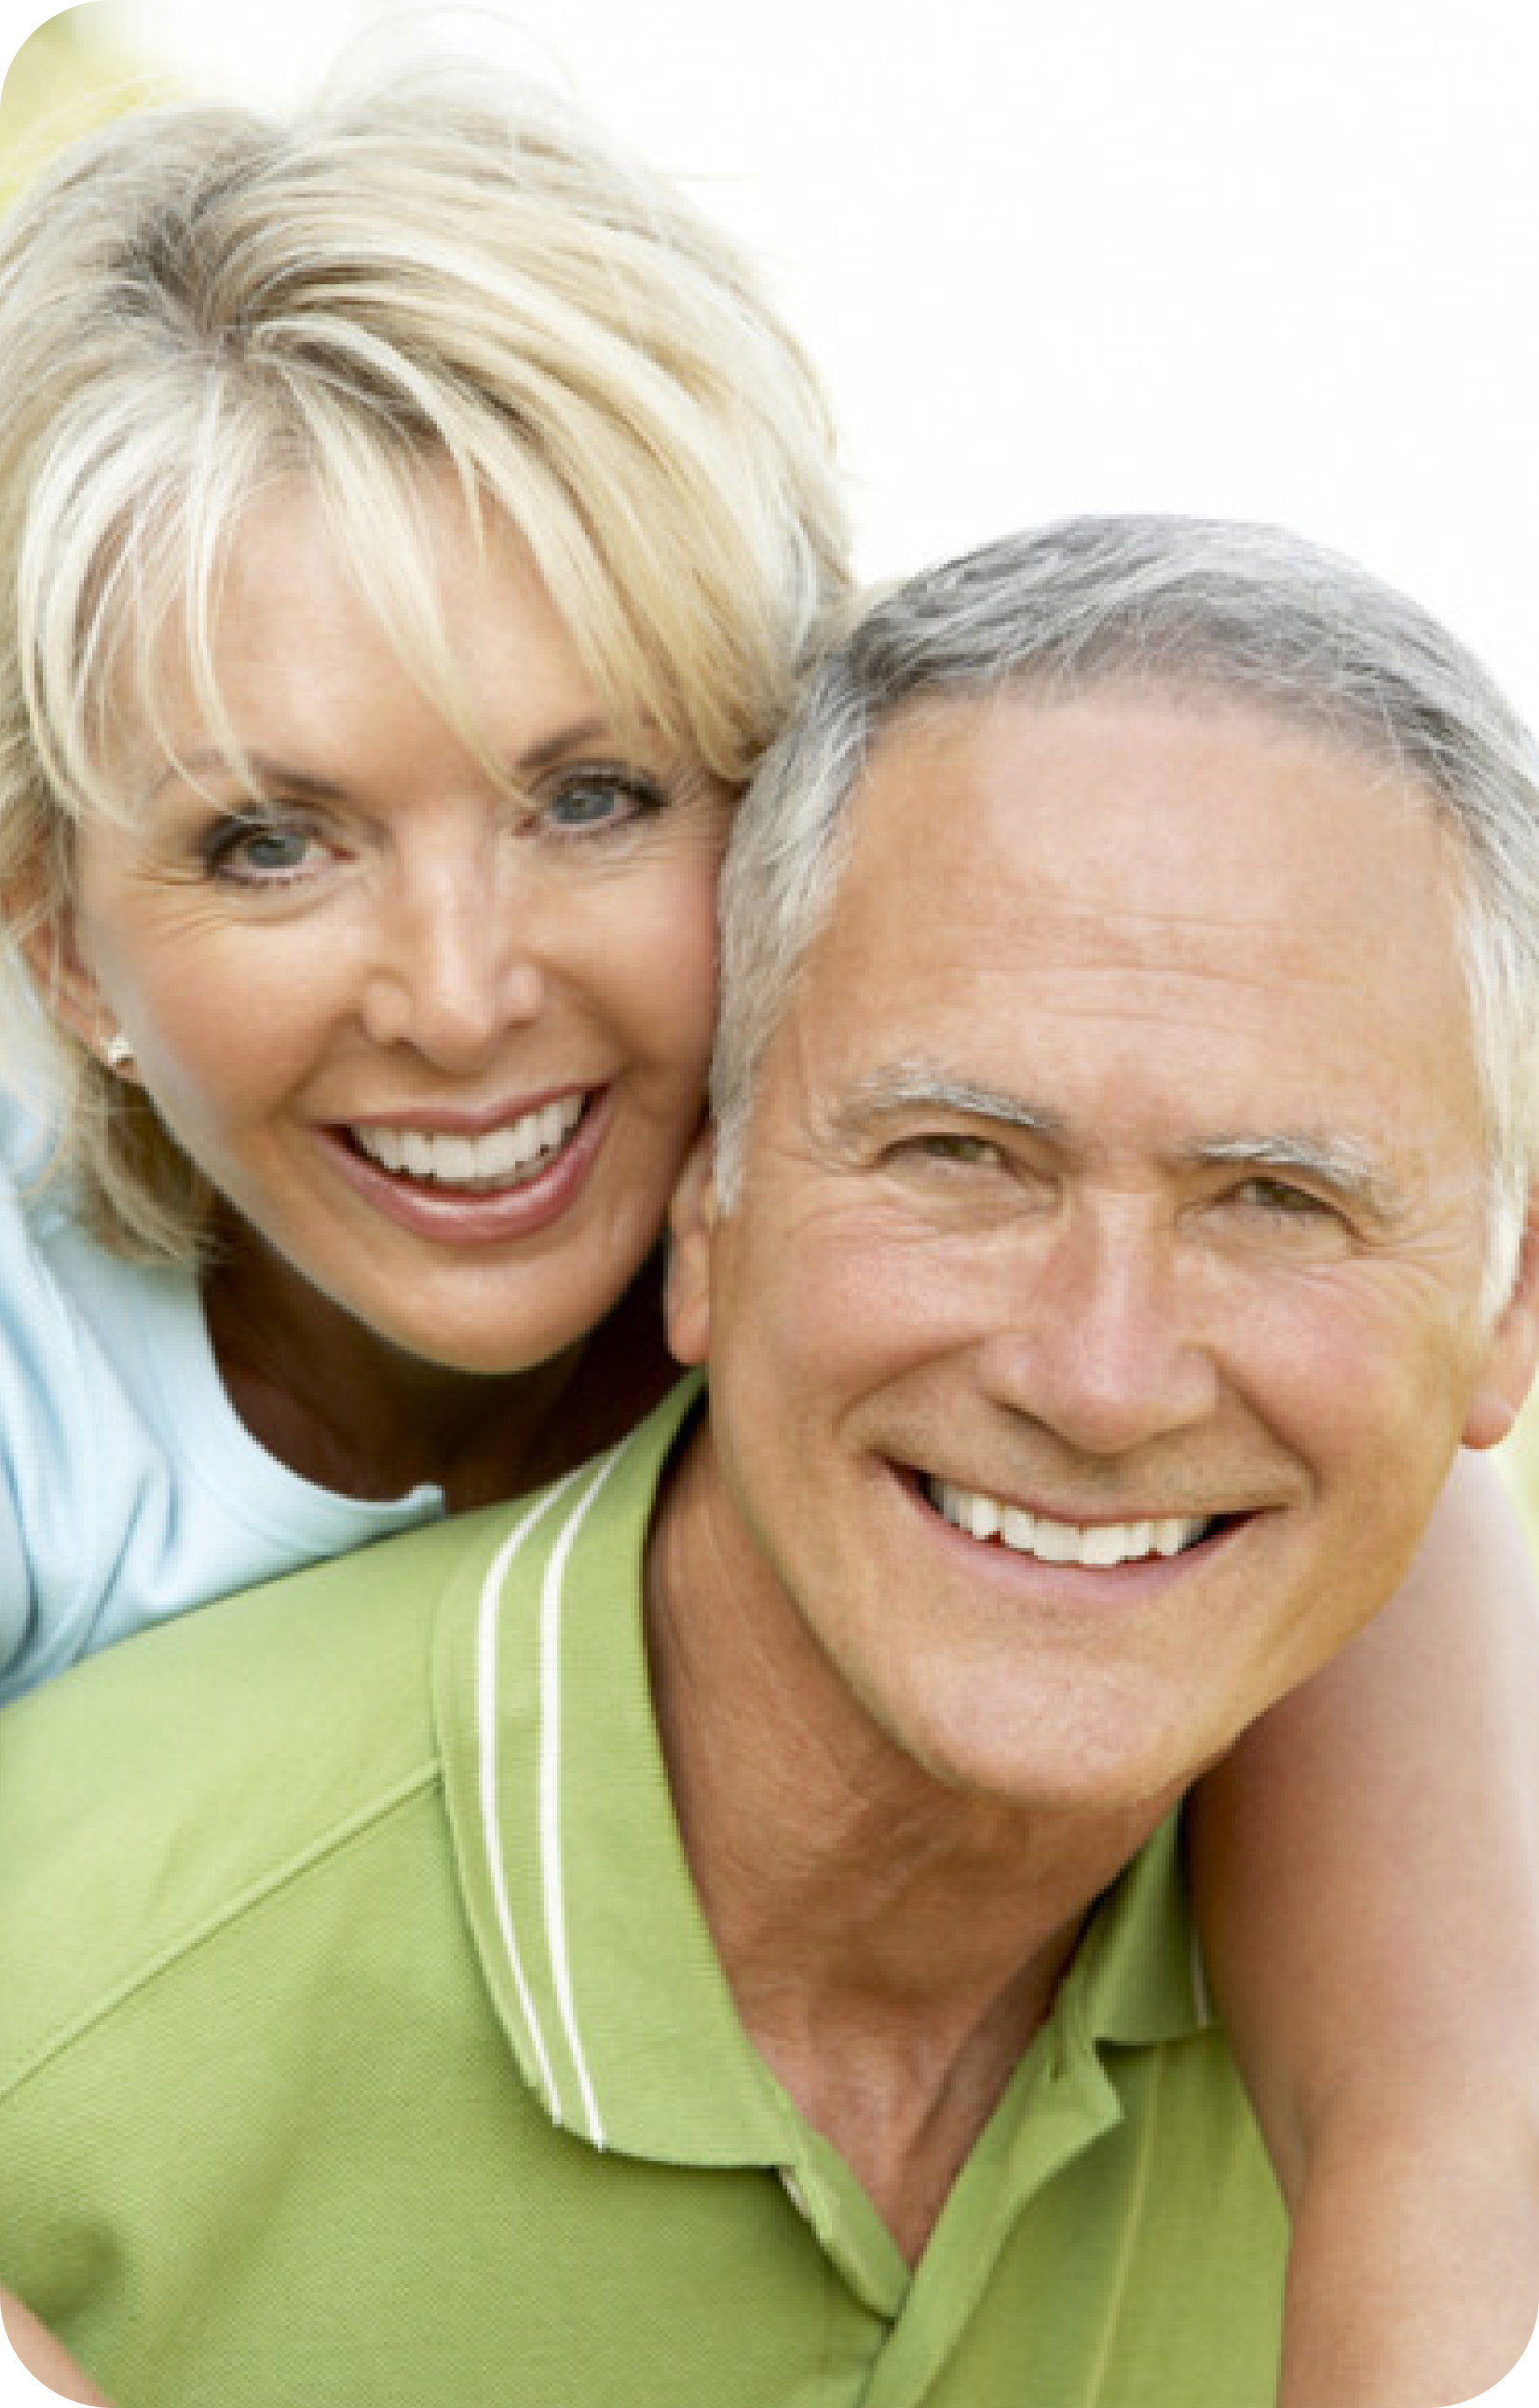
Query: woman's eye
point(592, 800)
point(260, 853)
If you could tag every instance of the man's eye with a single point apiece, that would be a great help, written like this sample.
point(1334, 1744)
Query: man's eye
point(592, 800)
point(1283, 1200)
point(955, 1146)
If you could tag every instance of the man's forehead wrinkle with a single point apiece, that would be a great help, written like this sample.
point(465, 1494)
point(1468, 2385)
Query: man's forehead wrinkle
point(1069, 926)
point(1168, 936)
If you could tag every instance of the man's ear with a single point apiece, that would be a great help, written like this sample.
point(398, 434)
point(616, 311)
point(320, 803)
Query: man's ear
point(691, 1222)
point(1512, 1352)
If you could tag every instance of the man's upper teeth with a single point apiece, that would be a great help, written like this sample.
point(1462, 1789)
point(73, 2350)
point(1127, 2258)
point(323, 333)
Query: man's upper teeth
point(467, 1161)
point(1100, 1543)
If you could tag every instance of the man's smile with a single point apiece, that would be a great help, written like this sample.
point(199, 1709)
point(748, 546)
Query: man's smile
point(1100, 1544)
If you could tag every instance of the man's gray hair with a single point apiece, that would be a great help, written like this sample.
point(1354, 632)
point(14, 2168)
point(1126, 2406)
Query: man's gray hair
point(1246, 614)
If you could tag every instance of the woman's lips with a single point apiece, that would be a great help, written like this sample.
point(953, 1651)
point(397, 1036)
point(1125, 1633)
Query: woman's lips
point(475, 1188)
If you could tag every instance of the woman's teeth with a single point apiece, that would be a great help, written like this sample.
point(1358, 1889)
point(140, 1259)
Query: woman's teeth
point(1098, 1543)
point(504, 1157)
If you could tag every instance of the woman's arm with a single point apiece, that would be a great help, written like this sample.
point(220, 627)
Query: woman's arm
point(44, 2357)
point(1367, 1873)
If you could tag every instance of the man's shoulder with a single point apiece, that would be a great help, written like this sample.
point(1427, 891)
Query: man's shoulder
point(154, 1792)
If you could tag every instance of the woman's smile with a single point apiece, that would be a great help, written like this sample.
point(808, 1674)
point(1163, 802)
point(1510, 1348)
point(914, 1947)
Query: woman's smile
point(474, 1191)
point(509, 1152)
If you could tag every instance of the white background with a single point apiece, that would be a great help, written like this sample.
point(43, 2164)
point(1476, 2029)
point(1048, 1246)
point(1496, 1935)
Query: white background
point(1280, 261)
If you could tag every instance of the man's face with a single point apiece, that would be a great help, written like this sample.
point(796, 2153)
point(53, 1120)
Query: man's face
point(1101, 1312)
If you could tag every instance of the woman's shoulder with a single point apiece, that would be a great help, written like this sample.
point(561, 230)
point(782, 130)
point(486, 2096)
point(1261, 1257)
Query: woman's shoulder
point(27, 1149)
point(130, 1491)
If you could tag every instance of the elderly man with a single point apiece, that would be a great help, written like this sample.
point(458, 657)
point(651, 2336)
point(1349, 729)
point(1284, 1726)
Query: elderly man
point(712, 1933)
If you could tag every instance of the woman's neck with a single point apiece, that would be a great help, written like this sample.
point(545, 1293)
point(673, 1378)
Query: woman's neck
point(344, 1407)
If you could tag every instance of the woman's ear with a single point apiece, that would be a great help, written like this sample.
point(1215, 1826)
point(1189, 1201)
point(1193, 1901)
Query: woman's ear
point(691, 1222)
point(66, 988)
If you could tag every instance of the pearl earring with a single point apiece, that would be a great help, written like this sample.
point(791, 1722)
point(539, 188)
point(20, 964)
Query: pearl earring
point(116, 1053)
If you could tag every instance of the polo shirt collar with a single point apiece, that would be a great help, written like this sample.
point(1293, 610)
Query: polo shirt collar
point(583, 1913)
point(589, 1933)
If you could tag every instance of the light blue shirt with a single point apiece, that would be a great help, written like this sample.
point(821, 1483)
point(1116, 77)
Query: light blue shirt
point(130, 1490)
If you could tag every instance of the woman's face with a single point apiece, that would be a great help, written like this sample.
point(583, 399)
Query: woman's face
point(441, 1046)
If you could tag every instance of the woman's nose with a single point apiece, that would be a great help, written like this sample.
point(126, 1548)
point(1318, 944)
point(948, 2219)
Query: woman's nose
point(453, 970)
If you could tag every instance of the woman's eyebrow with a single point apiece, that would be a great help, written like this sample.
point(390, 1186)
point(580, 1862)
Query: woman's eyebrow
point(262, 766)
point(552, 749)
point(271, 771)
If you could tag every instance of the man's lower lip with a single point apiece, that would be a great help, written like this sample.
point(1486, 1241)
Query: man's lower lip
point(462, 1217)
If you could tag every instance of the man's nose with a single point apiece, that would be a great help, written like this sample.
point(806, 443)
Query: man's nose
point(455, 965)
point(1099, 1343)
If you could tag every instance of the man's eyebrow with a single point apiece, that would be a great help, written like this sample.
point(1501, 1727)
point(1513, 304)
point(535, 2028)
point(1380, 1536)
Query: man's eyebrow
point(918, 1086)
point(1341, 1165)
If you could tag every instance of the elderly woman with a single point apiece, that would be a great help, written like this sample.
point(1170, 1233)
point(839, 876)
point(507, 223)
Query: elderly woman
point(413, 522)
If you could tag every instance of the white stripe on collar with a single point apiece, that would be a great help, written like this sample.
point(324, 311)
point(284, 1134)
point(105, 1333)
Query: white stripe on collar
point(553, 1888)
point(486, 1717)
point(552, 1881)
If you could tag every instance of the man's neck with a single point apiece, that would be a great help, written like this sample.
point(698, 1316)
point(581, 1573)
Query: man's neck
point(892, 1945)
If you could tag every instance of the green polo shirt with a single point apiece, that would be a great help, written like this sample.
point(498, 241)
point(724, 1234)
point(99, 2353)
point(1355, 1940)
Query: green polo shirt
point(361, 2041)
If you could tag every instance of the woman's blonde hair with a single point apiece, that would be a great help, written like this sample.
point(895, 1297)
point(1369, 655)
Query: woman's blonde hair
point(200, 301)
